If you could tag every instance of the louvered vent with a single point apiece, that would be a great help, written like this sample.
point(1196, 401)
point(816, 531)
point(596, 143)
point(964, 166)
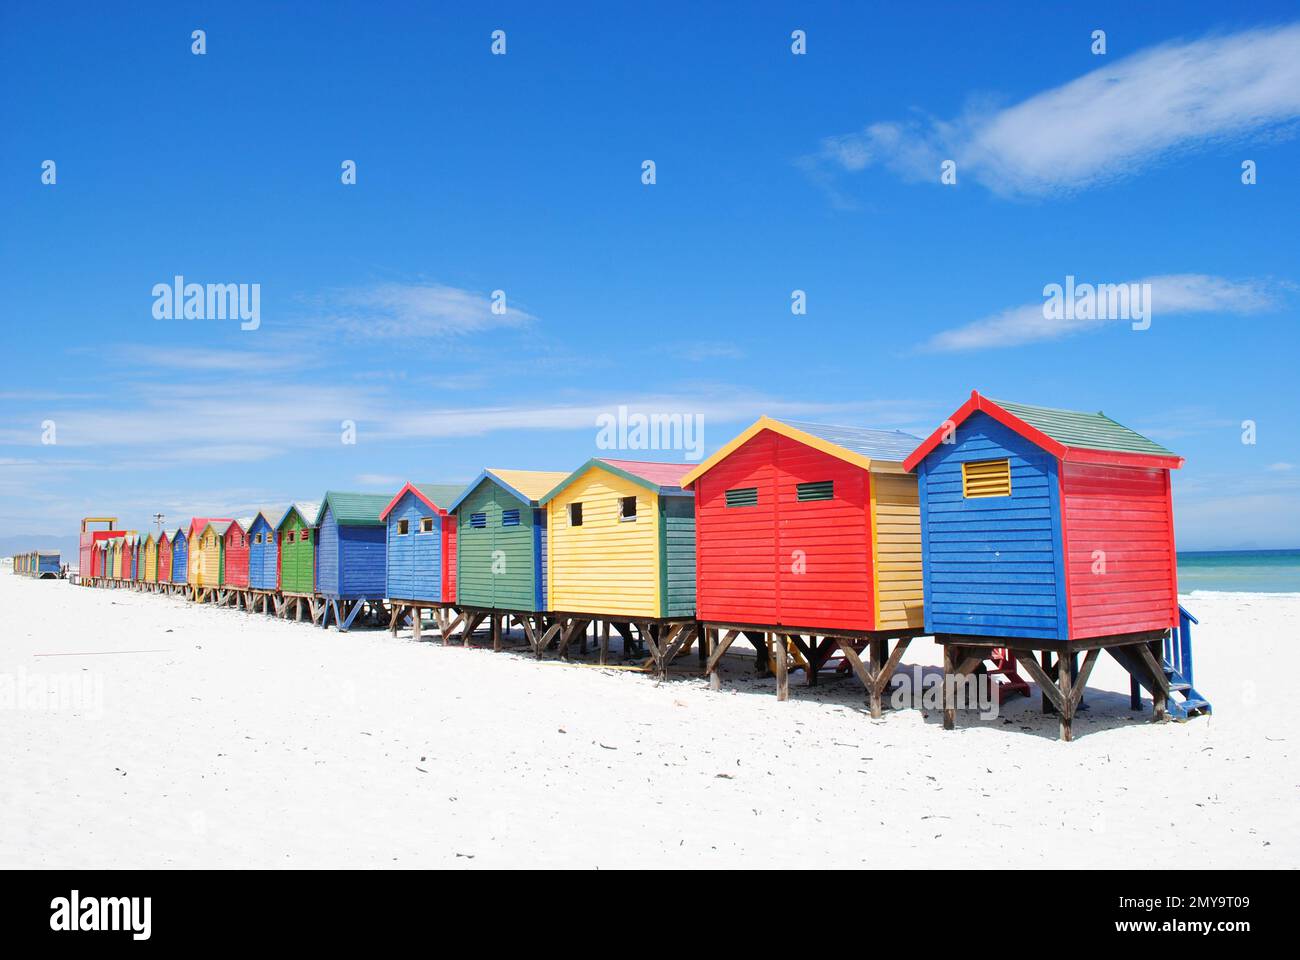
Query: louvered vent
point(818, 490)
point(509, 518)
point(986, 478)
point(743, 497)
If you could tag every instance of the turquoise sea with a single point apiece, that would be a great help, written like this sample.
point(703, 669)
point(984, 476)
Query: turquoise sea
point(1240, 571)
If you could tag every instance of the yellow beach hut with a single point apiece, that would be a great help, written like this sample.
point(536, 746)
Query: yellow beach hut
point(622, 554)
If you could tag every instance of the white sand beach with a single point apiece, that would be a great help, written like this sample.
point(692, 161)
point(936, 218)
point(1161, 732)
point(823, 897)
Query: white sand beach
point(217, 738)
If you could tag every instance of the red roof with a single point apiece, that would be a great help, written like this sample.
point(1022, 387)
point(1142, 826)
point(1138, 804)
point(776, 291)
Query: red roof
point(1065, 446)
point(661, 474)
point(198, 523)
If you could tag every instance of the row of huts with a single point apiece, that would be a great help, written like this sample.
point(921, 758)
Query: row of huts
point(40, 564)
point(1013, 534)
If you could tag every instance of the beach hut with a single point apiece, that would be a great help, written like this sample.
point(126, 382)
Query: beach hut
point(350, 555)
point(296, 559)
point(195, 528)
point(234, 564)
point(163, 573)
point(207, 559)
point(501, 553)
point(138, 561)
point(808, 543)
point(180, 560)
point(129, 551)
point(420, 571)
point(622, 555)
point(90, 558)
point(150, 573)
point(263, 556)
point(1049, 532)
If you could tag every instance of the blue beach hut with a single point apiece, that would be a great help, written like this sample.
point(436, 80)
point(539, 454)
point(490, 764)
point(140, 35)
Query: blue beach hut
point(351, 554)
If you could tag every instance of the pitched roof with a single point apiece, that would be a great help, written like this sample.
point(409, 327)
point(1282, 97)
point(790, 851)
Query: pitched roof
point(307, 509)
point(661, 478)
point(860, 446)
point(198, 523)
point(1066, 434)
point(527, 486)
point(1091, 431)
point(219, 527)
point(353, 509)
point(269, 514)
point(435, 495)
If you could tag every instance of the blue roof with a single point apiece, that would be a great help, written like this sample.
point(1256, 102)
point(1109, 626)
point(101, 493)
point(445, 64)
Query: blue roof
point(876, 444)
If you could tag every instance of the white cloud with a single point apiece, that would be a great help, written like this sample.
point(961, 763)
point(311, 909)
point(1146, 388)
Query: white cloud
point(1171, 295)
point(1281, 467)
point(417, 310)
point(1105, 125)
point(380, 481)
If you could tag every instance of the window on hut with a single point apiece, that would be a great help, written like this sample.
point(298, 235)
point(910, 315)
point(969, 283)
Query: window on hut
point(626, 508)
point(403, 527)
point(478, 520)
point(509, 518)
point(426, 524)
point(575, 514)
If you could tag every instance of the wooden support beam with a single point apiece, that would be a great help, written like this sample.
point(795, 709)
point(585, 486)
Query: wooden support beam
point(1160, 683)
point(604, 642)
point(949, 708)
point(782, 671)
point(1051, 693)
point(717, 648)
point(1065, 678)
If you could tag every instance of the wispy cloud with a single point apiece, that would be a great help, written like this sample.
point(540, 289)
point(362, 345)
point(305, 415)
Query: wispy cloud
point(1105, 125)
point(417, 310)
point(1171, 295)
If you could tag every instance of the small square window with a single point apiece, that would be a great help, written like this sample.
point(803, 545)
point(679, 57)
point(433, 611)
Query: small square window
point(478, 520)
point(509, 518)
point(627, 508)
point(575, 514)
point(426, 524)
point(403, 527)
point(291, 536)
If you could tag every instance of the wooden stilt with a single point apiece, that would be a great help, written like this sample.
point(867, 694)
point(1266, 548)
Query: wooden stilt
point(1065, 678)
point(949, 679)
point(777, 641)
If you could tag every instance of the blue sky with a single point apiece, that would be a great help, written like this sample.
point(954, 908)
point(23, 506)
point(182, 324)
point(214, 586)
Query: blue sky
point(522, 173)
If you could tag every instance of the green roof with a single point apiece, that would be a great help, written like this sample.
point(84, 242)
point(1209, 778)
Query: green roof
point(353, 509)
point(442, 494)
point(1089, 431)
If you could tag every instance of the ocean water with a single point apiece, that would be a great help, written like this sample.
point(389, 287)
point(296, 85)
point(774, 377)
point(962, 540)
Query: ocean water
point(1240, 571)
